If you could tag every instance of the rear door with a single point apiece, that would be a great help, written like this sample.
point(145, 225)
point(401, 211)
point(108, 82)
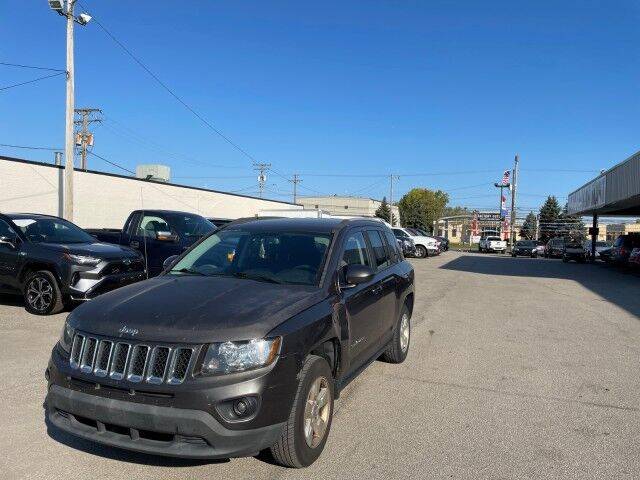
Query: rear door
point(9, 257)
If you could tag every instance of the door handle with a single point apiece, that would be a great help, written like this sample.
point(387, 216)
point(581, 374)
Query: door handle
point(134, 244)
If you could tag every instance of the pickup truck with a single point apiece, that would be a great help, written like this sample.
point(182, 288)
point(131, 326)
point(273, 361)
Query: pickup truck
point(157, 234)
point(492, 244)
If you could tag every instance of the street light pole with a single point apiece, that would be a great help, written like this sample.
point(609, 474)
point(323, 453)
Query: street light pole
point(70, 105)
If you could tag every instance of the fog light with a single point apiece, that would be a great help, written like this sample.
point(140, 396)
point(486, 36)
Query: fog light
point(240, 407)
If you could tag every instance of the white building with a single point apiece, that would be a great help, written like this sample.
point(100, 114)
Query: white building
point(104, 200)
point(345, 206)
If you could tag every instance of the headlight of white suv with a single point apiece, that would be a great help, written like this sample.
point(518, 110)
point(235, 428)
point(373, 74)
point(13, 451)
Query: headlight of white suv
point(66, 337)
point(230, 357)
point(83, 259)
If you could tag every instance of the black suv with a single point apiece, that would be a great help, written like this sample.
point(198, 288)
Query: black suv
point(51, 261)
point(240, 345)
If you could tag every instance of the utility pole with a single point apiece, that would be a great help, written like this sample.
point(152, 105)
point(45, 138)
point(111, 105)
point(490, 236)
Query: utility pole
point(392, 178)
point(68, 132)
point(65, 8)
point(514, 185)
point(262, 176)
point(295, 180)
point(85, 137)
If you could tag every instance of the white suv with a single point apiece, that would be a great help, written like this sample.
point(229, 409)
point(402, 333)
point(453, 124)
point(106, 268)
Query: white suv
point(425, 245)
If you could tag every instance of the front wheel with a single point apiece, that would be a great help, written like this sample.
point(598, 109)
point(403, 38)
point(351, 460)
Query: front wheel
point(42, 294)
point(421, 251)
point(305, 434)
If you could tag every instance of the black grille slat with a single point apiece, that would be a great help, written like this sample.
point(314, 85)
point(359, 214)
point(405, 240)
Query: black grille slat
point(136, 363)
point(88, 355)
point(119, 362)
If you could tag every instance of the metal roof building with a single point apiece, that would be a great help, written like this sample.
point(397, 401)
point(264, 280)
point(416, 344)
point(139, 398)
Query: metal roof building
point(614, 192)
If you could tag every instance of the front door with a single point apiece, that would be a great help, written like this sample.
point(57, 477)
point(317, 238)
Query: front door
point(9, 256)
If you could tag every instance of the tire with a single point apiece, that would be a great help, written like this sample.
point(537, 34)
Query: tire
point(421, 252)
point(399, 346)
point(513, 255)
point(42, 294)
point(292, 449)
point(565, 259)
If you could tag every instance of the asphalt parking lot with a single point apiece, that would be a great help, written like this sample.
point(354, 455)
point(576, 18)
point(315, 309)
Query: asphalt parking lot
point(518, 368)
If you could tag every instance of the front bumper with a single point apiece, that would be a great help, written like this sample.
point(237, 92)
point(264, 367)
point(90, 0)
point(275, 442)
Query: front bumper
point(84, 283)
point(152, 429)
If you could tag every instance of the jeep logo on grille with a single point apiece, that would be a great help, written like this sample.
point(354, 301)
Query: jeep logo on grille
point(128, 331)
point(126, 261)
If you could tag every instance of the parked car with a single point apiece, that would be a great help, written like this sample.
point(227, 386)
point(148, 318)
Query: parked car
point(554, 248)
point(444, 243)
point(574, 250)
point(407, 246)
point(539, 247)
point(525, 248)
point(606, 255)
point(492, 244)
point(425, 245)
point(50, 262)
point(157, 234)
point(600, 246)
point(623, 246)
point(634, 258)
point(241, 345)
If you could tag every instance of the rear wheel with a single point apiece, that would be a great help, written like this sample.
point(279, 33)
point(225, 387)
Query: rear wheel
point(399, 346)
point(305, 434)
point(42, 294)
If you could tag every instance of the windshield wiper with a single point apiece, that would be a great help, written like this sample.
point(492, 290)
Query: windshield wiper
point(189, 271)
point(257, 276)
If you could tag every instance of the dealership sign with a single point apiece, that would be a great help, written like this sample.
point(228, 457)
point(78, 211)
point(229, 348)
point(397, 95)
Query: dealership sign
point(589, 197)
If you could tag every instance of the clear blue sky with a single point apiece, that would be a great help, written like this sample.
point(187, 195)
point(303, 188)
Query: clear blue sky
point(348, 87)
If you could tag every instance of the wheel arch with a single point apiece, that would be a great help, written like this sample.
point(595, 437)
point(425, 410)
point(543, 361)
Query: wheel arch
point(35, 266)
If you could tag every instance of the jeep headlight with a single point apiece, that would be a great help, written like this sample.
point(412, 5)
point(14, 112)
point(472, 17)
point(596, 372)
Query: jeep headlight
point(230, 357)
point(66, 337)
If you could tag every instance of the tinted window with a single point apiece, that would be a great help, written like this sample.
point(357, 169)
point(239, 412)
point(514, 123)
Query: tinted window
point(151, 225)
point(271, 256)
point(392, 243)
point(52, 230)
point(399, 233)
point(355, 250)
point(191, 225)
point(493, 239)
point(379, 251)
point(6, 230)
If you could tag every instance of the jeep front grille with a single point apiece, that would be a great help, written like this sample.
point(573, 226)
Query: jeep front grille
point(136, 363)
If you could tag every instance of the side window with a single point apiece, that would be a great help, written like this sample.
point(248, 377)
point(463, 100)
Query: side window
point(6, 230)
point(399, 233)
point(394, 248)
point(379, 251)
point(150, 225)
point(355, 250)
point(132, 224)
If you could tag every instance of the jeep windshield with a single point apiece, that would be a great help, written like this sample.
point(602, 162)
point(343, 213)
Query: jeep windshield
point(275, 257)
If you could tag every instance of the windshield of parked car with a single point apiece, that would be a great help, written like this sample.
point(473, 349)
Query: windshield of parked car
point(269, 256)
point(525, 243)
point(191, 225)
point(52, 230)
point(493, 239)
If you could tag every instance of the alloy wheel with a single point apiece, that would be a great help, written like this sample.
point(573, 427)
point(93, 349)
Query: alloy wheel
point(317, 412)
point(405, 331)
point(40, 294)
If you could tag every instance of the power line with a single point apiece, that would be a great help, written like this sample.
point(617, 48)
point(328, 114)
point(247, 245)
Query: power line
point(31, 81)
point(7, 64)
point(173, 94)
point(51, 149)
point(111, 163)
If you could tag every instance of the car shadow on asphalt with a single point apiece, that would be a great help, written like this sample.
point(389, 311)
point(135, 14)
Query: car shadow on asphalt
point(115, 453)
point(11, 300)
point(614, 284)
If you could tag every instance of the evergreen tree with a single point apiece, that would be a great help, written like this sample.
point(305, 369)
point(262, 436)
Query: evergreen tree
point(528, 229)
point(384, 212)
point(573, 225)
point(549, 216)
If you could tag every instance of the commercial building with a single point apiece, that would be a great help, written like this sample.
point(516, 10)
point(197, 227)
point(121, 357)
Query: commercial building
point(615, 192)
point(346, 206)
point(104, 200)
point(458, 229)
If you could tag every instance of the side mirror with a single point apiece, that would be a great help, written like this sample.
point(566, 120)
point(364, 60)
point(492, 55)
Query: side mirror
point(9, 241)
point(166, 236)
point(169, 262)
point(357, 274)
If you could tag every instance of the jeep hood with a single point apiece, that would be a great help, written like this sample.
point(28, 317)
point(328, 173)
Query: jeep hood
point(193, 309)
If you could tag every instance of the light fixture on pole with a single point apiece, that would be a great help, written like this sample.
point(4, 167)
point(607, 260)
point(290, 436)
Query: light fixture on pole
point(65, 8)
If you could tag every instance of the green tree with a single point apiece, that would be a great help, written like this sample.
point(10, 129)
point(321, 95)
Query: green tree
point(549, 216)
point(454, 211)
point(420, 207)
point(572, 225)
point(528, 229)
point(384, 211)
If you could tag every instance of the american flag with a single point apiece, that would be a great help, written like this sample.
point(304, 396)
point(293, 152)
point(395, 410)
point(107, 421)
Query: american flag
point(505, 177)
